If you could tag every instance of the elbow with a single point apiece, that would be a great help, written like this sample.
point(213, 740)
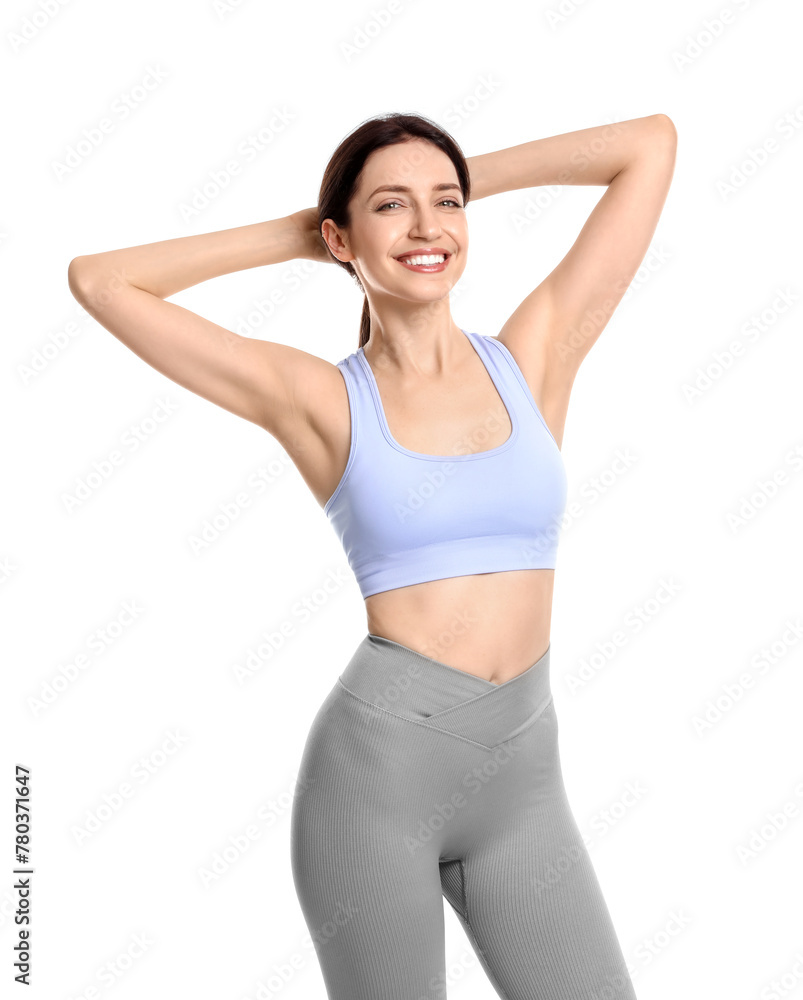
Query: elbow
point(667, 126)
point(76, 276)
point(92, 283)
point(80, 276)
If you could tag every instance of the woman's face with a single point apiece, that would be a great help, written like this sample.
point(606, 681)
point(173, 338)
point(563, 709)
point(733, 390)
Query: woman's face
point(428, 214)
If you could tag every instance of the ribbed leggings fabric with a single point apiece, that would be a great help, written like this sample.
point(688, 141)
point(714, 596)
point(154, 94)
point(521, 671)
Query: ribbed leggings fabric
point(420, 782)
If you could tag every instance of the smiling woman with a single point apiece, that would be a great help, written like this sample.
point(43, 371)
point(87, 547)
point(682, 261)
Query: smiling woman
point(356, 192)
point(432, 768)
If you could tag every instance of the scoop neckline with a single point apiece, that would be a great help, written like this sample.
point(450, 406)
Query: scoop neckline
point(489, 453)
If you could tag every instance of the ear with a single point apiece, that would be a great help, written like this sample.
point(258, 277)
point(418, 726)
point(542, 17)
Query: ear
point(336, 240)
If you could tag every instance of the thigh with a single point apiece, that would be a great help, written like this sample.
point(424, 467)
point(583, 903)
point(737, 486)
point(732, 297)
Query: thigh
point(533, 906)
point(373, 907)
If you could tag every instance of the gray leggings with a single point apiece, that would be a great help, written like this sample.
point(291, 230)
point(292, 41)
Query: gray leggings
point(420, 781)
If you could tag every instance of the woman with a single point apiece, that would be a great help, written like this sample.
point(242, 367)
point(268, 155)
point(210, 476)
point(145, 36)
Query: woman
point(432, 767)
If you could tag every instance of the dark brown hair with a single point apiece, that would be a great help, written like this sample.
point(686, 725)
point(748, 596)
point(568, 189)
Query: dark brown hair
point(342, 173)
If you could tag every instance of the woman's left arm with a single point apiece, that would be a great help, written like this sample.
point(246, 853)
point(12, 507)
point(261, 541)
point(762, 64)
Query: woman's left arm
point(557, 324)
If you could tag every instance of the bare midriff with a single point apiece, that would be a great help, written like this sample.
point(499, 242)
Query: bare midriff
point(492, 625)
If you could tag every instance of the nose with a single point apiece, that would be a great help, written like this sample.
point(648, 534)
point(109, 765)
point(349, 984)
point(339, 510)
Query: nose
point(425, 222)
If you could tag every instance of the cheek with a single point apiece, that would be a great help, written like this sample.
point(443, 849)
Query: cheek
point(377, 261)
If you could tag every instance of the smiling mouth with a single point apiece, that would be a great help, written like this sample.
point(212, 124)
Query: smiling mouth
point(426, 262)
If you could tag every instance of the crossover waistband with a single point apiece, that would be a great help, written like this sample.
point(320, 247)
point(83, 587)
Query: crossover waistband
point(414, 686)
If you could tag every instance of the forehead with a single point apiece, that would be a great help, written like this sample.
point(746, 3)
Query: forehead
point(414, 164)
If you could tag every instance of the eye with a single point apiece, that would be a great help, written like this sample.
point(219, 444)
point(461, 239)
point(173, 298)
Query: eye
point(445, 201)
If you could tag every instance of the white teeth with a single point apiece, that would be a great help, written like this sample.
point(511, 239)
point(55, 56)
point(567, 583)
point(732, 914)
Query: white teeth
point(430, 259)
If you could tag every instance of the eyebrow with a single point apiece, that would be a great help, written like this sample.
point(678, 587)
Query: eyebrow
point(407, 190)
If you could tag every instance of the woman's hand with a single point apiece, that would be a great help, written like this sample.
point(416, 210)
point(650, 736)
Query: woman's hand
point(315, 248)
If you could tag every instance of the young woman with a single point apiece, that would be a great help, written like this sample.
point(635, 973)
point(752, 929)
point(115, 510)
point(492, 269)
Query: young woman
point(432, 767)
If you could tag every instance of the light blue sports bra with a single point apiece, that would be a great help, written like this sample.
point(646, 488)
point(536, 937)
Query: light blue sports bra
point(404, 517)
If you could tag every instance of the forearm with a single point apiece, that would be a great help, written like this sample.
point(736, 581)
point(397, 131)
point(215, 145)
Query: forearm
point(588, 156)
point(169, 266)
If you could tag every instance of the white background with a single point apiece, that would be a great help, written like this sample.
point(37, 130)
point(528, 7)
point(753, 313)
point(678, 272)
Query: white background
point(702, 883)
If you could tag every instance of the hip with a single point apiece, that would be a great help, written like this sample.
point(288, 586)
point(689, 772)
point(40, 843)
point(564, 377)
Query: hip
point(400, 729)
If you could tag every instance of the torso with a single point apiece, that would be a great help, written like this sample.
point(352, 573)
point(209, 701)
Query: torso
point(492, 625)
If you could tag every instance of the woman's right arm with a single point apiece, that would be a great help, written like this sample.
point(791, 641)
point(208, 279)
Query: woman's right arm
point(125, 290)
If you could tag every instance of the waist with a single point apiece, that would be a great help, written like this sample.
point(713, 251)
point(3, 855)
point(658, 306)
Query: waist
point(493, 625)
